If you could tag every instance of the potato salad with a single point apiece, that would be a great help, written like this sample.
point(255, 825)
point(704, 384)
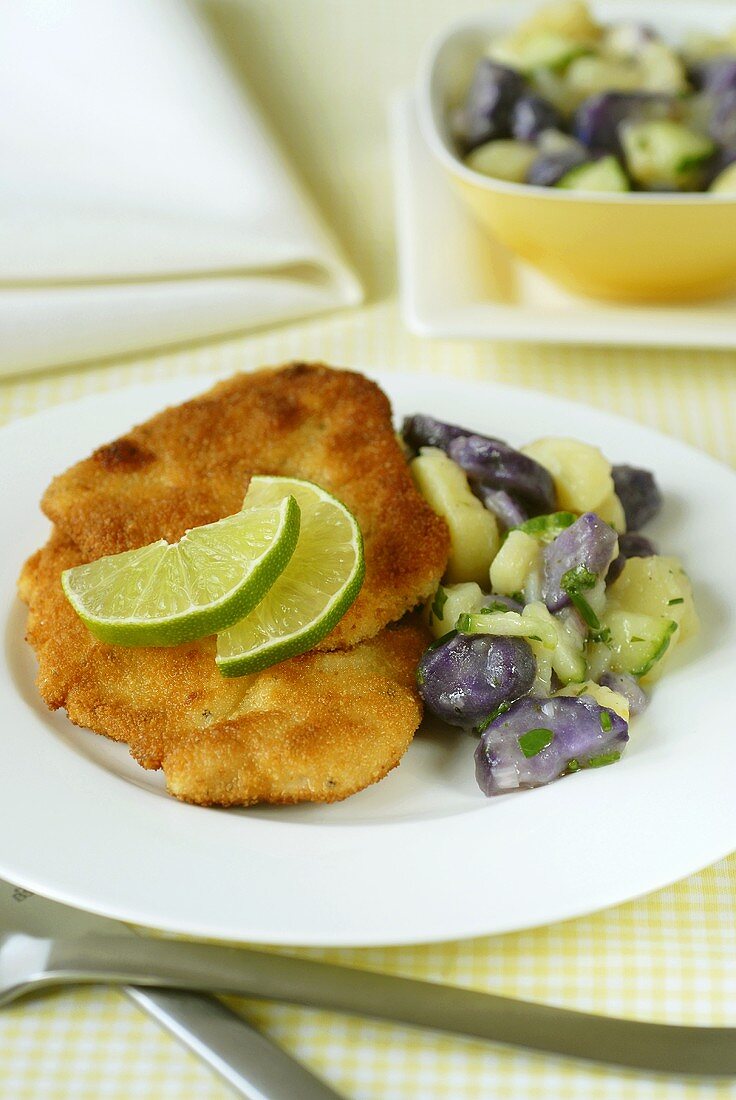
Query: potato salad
point(569, 102)
point(556, 614)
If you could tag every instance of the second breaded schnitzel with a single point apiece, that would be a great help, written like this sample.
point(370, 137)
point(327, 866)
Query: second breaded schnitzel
point(191, 465)
point(315, 728)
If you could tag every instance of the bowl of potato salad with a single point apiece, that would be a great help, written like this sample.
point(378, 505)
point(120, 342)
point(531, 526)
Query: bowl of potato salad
point(597, 142)
point(556, 614)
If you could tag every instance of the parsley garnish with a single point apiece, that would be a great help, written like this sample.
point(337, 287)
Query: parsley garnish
point(606, 723)
point(636, 638)
point(495, 606)
point(532, 742)
point(603, 759)
point(576, 581)
point(440, 600)
point(603, 635)
point(485, 722)
point(441, 641)
point(680, 599)
point(573, 765)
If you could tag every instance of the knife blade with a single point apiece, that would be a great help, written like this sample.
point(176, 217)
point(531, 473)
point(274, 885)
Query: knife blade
point(251, 1064)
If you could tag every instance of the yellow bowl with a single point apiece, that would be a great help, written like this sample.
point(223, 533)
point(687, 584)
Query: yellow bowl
point(629, 247)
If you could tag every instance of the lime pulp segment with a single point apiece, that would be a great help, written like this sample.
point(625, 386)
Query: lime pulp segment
point(167, 593)
point(312, 594)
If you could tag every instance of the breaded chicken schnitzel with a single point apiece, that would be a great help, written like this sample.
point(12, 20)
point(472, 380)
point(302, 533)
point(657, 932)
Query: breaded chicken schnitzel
point(191, 465)
point(316, 728)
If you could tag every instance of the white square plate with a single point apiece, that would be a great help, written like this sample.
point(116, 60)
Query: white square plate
point(456, 281)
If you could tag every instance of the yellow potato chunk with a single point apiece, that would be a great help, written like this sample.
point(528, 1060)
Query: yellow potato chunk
point(569, 17)
point(611, 510)
point(473, 529)
point(657, 586)
point(581, 473)
point(513, 563)
point(603, 696)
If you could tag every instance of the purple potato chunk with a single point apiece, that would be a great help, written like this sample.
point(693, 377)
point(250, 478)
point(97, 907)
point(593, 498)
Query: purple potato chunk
point(585, 549)
point(463, 678)
point(499, 466)
point(630, 688)
point(532, 115)
point(507, 510)
point(716, 75)
point(538, 740)
point(630, 545)
point(722, 126)
point(486, 113)
point(549, 168)
point(639, 494)
point(424, 431)
point(597, 120)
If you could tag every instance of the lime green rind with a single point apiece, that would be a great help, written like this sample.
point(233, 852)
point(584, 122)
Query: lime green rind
point(195, 623)
point(265, 490)
point(294, 645)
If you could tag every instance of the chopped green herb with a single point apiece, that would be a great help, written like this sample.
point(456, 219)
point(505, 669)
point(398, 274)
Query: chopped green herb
point(518, 596)
point(606, 723)
point(576, 581)
point(485, 722)
point(441, 641)
point(440, 600)
point(420, 677)
point(603, 759)
point(573, 765)
point(680, 599)
point(534, 638)
point(545, 529)
point(532, 742)
point(603, 635)
point(636, 638)
point(495, 606)
point(463, 624)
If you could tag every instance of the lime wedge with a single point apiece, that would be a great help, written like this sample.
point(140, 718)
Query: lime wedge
point(314, 591)
point(168, 593)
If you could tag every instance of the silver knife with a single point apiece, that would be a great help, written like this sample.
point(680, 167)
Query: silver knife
point(250, 1063)
point(35, 962)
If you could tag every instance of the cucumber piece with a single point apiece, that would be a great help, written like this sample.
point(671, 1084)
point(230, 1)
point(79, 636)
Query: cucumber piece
point(663, 153)
point(449, 602)
point(544, 49)
point(503, 160)
point(509, 624)
point(605, 174)
point(546, 528)
point(725, 182)
point(637, 642)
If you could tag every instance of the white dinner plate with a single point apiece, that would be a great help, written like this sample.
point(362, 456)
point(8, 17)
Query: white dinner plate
point(423, 855)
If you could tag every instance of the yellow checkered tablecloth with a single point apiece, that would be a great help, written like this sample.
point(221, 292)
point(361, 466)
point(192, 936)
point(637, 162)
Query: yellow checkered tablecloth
point(323, 70)
point(670, 956)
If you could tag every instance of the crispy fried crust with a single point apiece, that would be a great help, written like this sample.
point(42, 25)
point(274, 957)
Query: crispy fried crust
point(191, 465)
point(316, 728)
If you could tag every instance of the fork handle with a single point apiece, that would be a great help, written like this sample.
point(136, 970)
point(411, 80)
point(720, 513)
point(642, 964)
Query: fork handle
point(709, 1051)
point(250, 1063)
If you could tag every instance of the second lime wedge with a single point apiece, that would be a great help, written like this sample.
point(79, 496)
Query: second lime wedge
point(312, 594)
point(167, 593)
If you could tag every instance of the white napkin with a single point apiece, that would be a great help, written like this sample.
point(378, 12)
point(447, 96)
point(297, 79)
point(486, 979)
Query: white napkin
point(141, 200)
